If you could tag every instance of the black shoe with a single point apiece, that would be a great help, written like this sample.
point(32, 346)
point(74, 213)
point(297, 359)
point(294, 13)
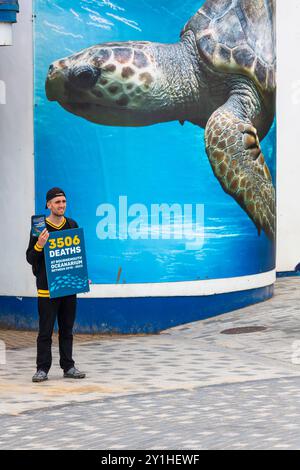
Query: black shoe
point(74, 373)
point(40, 376)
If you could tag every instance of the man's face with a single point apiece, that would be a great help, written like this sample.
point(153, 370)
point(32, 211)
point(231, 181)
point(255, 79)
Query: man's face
point(57, 205)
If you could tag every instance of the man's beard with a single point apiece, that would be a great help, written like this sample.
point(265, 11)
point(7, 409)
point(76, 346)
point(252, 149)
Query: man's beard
point(58, 214)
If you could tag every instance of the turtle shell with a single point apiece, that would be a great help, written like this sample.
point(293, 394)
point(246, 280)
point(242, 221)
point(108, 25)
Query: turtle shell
point(238, 36)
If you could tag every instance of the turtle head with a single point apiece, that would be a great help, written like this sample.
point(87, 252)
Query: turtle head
point(112, 84)
point(123, 84)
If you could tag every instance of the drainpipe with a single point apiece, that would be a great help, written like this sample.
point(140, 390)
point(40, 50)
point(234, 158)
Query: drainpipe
point(8, 16)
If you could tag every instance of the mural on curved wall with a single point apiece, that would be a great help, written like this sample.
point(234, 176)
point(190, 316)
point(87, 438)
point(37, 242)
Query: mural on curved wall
point(163, 141)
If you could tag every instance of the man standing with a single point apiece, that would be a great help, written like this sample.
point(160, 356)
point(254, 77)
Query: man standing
point(62, 308)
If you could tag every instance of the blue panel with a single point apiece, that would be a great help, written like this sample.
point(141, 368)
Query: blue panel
point(134, 315)
point(8, 11)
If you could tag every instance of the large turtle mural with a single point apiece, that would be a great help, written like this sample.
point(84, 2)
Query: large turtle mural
point(219, 76)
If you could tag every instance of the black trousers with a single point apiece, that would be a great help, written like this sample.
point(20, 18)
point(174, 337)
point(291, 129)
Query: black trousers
point(64, 309)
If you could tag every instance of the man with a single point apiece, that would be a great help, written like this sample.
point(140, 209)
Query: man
point(64, 308)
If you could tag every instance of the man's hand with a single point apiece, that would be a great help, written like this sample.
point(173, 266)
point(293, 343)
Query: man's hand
point(42, 240)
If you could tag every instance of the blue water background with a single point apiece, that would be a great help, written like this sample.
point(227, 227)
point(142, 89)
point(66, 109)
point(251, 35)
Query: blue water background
point(164, 163)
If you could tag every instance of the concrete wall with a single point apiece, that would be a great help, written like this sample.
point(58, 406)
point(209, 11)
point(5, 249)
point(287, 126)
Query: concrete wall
point(16, 160)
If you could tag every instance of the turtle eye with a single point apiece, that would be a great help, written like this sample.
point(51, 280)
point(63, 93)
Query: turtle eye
point(84, 77)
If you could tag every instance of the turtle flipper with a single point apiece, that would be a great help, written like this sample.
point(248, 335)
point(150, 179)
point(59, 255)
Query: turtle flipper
point(233, 149)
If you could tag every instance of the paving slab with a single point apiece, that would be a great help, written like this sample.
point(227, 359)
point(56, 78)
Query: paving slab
point(189, 387)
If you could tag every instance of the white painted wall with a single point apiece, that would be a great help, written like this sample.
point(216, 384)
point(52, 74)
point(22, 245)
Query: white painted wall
point(288, 116)
point(16, 156)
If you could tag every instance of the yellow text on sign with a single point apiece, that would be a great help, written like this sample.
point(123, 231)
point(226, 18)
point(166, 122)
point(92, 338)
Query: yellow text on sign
point(61, 242)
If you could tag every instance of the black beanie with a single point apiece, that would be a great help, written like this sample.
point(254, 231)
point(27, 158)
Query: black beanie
point(52, 193)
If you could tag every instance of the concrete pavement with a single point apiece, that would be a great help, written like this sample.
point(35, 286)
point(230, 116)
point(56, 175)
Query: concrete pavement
point(191, 387)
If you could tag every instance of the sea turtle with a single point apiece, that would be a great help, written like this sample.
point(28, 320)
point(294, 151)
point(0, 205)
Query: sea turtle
point(220, 76)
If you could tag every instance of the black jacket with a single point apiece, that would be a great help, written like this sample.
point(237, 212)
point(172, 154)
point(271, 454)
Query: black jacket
point(35, 255)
